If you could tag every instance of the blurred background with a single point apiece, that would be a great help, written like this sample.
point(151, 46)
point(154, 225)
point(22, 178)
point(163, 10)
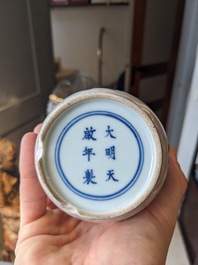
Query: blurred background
point(51, 49)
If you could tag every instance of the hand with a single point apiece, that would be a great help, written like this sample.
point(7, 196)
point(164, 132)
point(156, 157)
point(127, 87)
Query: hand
point(49, 236)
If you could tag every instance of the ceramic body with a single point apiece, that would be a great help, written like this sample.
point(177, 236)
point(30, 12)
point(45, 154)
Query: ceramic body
point(101, 155)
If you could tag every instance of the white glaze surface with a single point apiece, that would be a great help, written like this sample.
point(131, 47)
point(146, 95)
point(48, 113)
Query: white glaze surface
point(100, 157)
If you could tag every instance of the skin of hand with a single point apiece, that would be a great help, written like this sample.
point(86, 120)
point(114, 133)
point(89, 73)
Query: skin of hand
point(49, 236)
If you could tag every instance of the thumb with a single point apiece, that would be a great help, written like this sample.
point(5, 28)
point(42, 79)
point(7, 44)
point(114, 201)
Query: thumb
point(33, 201)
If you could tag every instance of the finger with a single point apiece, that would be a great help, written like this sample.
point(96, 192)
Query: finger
point(176, 183)
point(169, 199)
point(33, 201)
point(50, 204)
point(37, 128)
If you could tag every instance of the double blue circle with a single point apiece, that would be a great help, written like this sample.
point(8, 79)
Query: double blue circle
point(134, 177)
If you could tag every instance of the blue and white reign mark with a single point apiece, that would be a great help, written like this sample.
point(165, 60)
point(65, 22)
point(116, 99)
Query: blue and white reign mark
point(99, 155)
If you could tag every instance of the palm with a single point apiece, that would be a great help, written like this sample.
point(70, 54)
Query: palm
point(66, 240)
point(48, 235)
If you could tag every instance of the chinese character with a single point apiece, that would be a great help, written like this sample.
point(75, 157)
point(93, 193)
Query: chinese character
point(88, 134)
point(88, 152)
point(89, 177)
point(110, 152)
point(109, 132)
point(111, 173)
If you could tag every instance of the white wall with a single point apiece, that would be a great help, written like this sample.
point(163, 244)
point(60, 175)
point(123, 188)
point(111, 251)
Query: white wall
point(188, 141)
point(182, 124)
point(75, 32)
point(184, 72)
